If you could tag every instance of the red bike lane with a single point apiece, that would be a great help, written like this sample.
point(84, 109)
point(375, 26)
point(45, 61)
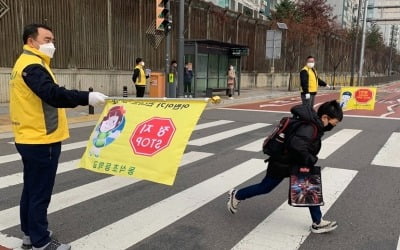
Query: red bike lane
point(387, 103)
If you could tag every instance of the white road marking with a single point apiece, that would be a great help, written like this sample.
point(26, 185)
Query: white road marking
point(211, 124)
point(288, 227)
point(335, 141)
point(10, 217)
point(138, 226)
point(287, 112)
point(15, 179)
point(389, 154)
point(64, 147)
point(7, 135)
point(10, 242)
point(255, 146)
point(226, 134)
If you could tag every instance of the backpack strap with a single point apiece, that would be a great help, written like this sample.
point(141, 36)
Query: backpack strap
point(315, 132)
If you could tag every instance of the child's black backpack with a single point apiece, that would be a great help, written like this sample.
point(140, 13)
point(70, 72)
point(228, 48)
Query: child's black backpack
point(274, 144)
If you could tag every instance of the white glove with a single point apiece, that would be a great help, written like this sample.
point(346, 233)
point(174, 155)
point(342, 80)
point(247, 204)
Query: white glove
point(96, 98)
point(308, 96)
point(328, 86)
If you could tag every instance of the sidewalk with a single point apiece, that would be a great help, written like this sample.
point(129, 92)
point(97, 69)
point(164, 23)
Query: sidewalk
point(81, 113)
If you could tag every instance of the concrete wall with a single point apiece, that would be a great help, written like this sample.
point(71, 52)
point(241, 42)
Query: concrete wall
point(111, 82)
point(260, 80)
point(108, 82)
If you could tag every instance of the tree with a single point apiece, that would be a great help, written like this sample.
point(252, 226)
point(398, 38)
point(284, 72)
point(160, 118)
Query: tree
point(374, 38)
point(285, 10)
point(317, 15)
point(307, 20)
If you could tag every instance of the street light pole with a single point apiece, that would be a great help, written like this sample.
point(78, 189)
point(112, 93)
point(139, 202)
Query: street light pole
point(391, 45)
point(181, 44)
point(360, 70)
point(353, 64)
point(273, 53)
point(167, 55)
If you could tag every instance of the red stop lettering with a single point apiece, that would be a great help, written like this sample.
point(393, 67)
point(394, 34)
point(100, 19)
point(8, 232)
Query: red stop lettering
point(152, 136)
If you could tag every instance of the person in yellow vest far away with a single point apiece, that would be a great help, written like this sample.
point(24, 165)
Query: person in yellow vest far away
point(39, 125)
point(309, 82)
point(139, 77)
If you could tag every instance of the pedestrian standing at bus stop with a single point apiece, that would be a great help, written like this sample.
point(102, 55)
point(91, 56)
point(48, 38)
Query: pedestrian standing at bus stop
point(187, 80)
point(39, 125)
point(310, 81)
point(231, 81)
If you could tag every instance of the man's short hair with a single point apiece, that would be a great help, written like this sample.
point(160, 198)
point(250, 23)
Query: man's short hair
point(138, 60)
point(309, 57)
point(173, 61)
point(31, 30)
point(331, 109)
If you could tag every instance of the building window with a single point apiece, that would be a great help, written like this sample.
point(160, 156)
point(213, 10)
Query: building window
point(240, 7)
point(233, 5)
point(247, 11)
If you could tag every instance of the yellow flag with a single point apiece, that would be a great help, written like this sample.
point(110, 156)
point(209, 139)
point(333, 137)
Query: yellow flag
point(358, 98)
point(143, 138)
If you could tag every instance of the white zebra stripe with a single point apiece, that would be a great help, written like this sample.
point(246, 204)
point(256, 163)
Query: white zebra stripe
point(288, 227)
point(226, 134)
point(121, 234)
point(10, 217)
point(389, 154)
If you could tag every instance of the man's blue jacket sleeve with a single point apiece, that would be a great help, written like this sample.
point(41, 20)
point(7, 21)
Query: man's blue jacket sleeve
point(41, 83)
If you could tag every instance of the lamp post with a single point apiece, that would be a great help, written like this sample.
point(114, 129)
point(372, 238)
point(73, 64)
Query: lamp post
point(360, 69)
point(282, 26)
point(353, 63)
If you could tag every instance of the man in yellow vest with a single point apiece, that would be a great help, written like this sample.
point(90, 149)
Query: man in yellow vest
point(139, 77)
point(309, 82)
point(40, 125)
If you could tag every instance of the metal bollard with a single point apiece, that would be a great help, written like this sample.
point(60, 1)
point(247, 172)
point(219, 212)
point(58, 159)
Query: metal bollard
point(124, 91)
point(91, 108)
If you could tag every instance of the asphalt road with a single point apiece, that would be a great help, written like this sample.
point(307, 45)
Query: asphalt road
point(361, 187)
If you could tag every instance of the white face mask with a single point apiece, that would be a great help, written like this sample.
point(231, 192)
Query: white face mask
point(142, 63)
point(310, 65)
point(47, 49)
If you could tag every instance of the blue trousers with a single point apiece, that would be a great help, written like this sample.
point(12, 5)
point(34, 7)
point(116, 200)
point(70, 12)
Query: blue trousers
point(40, 167)
point(267, 185)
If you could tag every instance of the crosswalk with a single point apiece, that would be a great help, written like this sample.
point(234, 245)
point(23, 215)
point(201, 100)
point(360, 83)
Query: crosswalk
point(285, 228)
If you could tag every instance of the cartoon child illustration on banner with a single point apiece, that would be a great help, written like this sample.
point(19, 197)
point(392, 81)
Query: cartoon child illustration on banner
point(346, 96)
point(108, 129)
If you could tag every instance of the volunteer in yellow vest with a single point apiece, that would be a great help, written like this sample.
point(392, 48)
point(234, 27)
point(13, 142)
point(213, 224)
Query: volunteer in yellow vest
point(309, 82)
point(139, 77)
point(40, 125)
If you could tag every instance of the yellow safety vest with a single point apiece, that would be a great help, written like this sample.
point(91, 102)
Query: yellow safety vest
point(34, 121)
point(141, 80)
point(312, 79)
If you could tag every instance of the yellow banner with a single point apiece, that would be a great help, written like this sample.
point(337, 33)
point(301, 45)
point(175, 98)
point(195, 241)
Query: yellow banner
point(358, 98)
point(143, 139)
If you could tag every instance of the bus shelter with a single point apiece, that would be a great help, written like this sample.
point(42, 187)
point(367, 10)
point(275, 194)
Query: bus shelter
point(211, 61)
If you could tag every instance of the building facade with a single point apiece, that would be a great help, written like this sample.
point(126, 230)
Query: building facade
point(345, 12)
point(386, 13)
point(252, 8)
